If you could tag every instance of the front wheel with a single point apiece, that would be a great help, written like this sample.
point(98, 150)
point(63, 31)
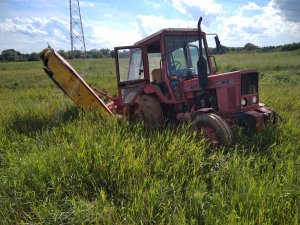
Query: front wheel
point(213, 128)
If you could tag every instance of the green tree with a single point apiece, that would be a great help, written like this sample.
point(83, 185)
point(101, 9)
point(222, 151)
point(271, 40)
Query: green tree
point(76, 54)
point(105, 52)
point(33, 57)
point(94, 53)
point(63, 54)
point(224, 49)
point(10, 55)
point(112, 53)
point(250, 47)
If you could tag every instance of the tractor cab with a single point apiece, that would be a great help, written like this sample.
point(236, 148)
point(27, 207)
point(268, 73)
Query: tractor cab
point(160, 63)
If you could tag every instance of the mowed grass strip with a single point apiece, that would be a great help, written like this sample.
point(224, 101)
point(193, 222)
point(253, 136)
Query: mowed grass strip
point(62, 165)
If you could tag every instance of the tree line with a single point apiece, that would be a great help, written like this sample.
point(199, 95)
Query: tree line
point(255, 48)
point(13, 55)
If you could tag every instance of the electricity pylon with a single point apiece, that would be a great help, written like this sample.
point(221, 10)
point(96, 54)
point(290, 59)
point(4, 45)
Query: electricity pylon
point(76, 30)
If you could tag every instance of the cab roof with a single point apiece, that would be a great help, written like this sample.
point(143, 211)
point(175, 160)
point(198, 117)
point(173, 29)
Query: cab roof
point(165, 31)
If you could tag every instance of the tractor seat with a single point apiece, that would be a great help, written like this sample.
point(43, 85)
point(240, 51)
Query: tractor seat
point(157, 76)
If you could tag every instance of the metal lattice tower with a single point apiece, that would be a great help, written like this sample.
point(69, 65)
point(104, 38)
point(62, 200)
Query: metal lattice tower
point(76, 30)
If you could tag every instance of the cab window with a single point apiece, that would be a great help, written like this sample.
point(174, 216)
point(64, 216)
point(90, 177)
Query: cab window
point(182, 54)
point(130, 64)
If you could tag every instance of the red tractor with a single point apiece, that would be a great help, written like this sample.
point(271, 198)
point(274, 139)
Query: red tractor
point(170, 75)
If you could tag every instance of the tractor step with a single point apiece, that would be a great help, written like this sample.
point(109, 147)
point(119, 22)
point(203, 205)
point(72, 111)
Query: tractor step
point(70, 82)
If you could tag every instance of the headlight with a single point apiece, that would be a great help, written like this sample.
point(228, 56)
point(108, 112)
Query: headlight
point(243, 101)
point(254, 99)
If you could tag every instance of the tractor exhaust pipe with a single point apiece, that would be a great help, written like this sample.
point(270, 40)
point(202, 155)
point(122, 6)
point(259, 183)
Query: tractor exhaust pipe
point(201, 64)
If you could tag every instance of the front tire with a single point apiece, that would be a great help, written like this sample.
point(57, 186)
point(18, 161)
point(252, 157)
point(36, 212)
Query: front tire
point(213, 128)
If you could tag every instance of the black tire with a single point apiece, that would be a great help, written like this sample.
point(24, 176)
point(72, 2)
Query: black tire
point(150, 111)
point(221, 133)
point(226, 126)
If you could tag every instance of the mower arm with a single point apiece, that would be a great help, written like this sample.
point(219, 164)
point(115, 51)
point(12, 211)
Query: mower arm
point(70, 82)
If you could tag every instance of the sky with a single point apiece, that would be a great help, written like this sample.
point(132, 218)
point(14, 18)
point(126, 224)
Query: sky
point(28, 25)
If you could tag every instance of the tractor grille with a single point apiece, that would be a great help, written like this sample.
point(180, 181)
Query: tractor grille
point(249, 83)
point(231, 97)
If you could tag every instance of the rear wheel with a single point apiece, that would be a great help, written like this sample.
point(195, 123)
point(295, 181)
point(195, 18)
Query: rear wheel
point(149, 110)
point(213, 128)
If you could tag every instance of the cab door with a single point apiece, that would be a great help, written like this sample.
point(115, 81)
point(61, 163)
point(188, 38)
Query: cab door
point(131, 76)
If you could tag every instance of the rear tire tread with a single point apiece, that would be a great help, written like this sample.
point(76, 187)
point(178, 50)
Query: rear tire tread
point(150, 109)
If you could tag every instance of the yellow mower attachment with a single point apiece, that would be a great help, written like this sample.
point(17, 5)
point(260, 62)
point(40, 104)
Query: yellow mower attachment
point(69, 81)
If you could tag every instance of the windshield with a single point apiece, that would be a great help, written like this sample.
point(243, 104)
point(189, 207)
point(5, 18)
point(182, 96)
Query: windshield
point(182, 54)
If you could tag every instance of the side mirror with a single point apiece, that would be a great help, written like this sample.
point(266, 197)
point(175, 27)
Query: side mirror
point(218, 44)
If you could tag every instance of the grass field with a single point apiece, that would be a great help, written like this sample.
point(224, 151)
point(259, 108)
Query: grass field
point(60, 165)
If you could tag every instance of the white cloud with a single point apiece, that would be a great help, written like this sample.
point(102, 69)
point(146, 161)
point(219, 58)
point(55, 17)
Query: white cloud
point(60, 35)
point(251, 6)
point(151, 24)
point(110, 35)
point(152, 4)
point(113, 34)
point(189, 6)
point(260, 24)
point(250, 23)
point(87, 4)
point(22, 26)
point(29, 34)
point(255, 24)
point(108, 15)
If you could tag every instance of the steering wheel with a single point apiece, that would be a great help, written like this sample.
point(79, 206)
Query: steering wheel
point(177, 64)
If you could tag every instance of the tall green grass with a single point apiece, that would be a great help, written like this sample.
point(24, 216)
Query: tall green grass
point(62, 165)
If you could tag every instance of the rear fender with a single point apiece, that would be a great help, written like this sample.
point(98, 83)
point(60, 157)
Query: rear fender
point(153, 89)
